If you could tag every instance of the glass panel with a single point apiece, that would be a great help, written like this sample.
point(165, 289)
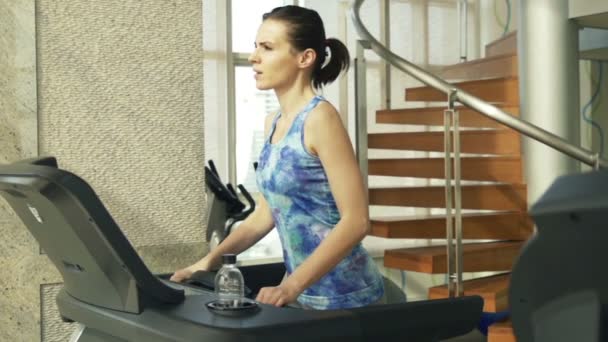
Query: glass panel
point(443, 39)
point(252, 106)
point(246, 17)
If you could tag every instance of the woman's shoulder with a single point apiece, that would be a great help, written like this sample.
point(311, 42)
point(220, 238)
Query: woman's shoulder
point(323, 126)
point(323, 118)
point(323, 115)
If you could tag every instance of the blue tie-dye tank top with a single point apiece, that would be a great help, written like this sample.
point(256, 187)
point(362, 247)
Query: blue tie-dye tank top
point(296, 188)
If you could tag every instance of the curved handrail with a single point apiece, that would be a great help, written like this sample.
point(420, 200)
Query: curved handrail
point(473, 102)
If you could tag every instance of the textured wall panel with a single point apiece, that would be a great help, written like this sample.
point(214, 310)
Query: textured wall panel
point(17, 81)
point(120, 104)
point(19, 260)
point(53, 329)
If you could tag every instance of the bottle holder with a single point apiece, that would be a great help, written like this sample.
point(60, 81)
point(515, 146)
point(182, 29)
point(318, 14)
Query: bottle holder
point(244, 307)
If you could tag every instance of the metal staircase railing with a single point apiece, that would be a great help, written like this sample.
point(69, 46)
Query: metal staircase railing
point(453, 94)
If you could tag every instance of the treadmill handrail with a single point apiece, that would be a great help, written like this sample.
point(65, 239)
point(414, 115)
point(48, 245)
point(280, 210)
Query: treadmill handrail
point(81, 192)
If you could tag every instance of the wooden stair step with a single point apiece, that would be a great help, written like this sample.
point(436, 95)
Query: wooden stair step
point(433, 116)
point(501, 332)
point(489, 67)
point(494, 290)
point(491, 196)
point(500, 169)
point(477, 257)
point(491, 226)
point(502, 90)
point(504, 45)
point(491, 141)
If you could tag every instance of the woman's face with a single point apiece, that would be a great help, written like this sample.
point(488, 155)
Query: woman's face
point(274, 60)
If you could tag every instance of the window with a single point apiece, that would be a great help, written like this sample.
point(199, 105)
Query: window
point(251, 104)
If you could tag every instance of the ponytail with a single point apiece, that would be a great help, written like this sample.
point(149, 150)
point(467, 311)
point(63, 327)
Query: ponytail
point(339, 60)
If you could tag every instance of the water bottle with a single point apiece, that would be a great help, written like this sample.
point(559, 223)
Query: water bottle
point(229, 283)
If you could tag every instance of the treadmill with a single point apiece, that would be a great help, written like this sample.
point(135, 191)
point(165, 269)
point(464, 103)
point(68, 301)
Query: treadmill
point(559, 286)
point(115, 298)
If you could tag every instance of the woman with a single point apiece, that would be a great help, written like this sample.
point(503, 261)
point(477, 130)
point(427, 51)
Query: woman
point(312, 188)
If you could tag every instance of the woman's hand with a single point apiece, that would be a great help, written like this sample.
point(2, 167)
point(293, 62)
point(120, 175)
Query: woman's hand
point(278, 295)
point(181, 275)
point(186, 273)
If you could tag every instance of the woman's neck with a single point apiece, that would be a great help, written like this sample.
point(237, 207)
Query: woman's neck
point(293, 99)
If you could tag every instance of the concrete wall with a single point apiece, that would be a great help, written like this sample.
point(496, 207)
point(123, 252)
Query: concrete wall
point(119, 103)
point(21, 268)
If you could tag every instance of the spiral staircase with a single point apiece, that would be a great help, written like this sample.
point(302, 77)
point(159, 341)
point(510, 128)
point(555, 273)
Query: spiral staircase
point(495, 198)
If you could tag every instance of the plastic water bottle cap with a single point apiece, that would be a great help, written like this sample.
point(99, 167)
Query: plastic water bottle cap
point(229, 259)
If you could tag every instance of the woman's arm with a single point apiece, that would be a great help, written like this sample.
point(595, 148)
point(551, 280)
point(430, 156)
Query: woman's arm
point(325, 136)
point(251, 230)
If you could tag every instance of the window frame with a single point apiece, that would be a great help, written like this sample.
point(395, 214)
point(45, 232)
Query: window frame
point(233, 61)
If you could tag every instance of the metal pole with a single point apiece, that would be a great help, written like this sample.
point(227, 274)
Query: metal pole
point(463, 9)
point(449, 233)
point(457, 195)
point(361, 108)
point(549, 88)
point(343, 81)
point(231, 94)
point(385, 19)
